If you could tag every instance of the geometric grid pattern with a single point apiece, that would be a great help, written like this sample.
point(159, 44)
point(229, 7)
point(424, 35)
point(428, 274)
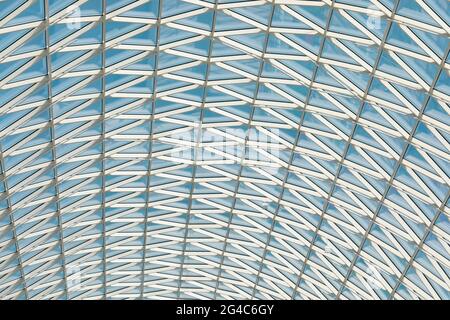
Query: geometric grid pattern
point(201, 149)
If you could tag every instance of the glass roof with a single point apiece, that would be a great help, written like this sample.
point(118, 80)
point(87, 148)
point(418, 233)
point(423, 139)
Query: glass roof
point(223, 149)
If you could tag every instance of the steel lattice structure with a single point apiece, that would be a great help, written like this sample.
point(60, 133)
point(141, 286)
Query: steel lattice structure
point(223, 149)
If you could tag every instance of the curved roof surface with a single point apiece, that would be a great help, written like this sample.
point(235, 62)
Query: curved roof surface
point(224, 149)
